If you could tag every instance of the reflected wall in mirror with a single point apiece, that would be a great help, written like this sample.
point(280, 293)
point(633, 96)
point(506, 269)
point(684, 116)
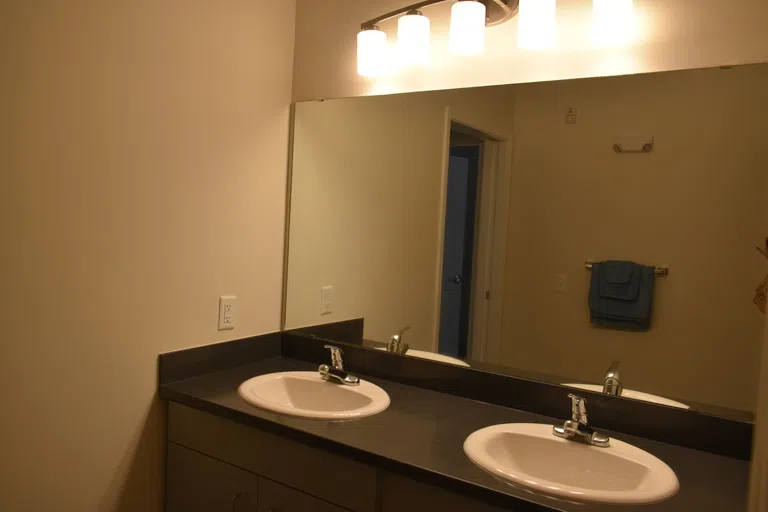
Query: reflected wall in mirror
point(468, 215)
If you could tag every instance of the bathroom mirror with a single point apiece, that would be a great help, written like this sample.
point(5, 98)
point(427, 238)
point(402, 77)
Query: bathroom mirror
point(482, 219)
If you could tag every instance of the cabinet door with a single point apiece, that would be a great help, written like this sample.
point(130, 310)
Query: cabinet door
point(274, 497)
point(318, 472)
point(196, 482)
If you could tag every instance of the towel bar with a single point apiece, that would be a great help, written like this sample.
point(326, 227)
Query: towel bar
point(647, 148)
point(659, 271)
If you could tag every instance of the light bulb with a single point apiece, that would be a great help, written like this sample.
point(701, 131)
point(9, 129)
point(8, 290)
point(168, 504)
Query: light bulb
point(413, 38)
point(613, 22)
point(467, 36)
point(371, 52)
point(537, 25)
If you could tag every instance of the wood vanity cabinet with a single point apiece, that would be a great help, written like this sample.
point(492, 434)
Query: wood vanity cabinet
point(400, 494)
point(274, 497)
point(198, 482)
point(218, 465)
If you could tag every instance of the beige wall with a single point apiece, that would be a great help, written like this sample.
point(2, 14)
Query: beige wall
point(683, 34)
point(143, 157)
point(365, 206)
point(696, 204)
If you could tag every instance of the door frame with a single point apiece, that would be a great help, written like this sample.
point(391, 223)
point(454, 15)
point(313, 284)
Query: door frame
point(490, 237)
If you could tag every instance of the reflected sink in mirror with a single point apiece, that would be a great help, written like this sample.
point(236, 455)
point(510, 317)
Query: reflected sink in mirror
point(629, 393)
point(307, 395)
point(432, 356)
point(530, 456)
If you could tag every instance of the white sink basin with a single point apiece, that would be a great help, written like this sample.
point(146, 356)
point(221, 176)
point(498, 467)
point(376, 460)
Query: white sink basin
point(529, 455)
point(307, 395)
point(636, 395)
point(423, 354)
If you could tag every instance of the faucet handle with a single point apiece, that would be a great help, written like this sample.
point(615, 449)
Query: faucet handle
point(612, 383)
point(578, 408)
point(399, 334)
point(337, 361)
point(613, 370)
point(394, 343)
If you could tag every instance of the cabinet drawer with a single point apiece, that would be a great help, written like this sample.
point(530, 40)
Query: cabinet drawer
point(196, 482)
point(400, 494)
point(328, 476)
point(274, 497)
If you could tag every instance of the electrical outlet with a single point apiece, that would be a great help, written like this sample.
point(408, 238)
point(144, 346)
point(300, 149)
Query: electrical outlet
point(227, 312)
point(571, 114)
point(561, 283)
point(326, 300)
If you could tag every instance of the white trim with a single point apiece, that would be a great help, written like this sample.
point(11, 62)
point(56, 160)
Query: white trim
point(481, 271)
point(490, 242)
point(441, 229)
point(758, 497)
point(492, 350)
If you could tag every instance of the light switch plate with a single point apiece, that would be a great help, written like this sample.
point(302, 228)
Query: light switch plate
point(326, 300)
point(227, 312)
point(561, 283)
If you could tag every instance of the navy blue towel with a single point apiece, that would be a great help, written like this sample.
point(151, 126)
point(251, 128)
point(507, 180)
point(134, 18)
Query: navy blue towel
point(621, 295)
point(619, 280)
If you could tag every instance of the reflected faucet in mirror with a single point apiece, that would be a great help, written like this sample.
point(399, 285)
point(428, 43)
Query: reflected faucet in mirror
point(612, 384)
point(395, 344)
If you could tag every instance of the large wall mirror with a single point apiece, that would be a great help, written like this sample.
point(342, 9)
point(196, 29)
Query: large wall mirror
point(546, 230)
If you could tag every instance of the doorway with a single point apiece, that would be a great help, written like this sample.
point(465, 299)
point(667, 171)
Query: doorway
point(461, 207)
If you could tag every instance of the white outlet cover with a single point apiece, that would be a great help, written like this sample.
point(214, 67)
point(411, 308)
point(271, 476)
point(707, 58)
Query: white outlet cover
point(227, 312)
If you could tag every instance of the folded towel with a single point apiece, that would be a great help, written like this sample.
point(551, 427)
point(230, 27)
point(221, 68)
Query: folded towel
point(621, 295)
point(619, 280)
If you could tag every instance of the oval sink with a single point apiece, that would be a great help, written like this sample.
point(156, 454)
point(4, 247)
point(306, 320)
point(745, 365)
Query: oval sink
point(636, 395)
point(529, 455)
point(423, 354)
point(307, 395)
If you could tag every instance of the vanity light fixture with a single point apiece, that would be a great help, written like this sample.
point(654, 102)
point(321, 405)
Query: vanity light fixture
point(537, 25)
point(613, 24)
point(467, 35)
point(413, 38)
point(371, 51)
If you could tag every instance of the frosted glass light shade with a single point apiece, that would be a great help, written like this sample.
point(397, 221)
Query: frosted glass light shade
point(467, 36)
point(413, 39)
point(537, 24)
point(371, 52)
point(613, 22)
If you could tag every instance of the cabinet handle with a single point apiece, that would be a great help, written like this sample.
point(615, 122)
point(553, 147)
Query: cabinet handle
point(235, 497)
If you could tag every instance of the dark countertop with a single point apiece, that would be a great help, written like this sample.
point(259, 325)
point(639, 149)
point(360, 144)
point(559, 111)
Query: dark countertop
point(422, 433)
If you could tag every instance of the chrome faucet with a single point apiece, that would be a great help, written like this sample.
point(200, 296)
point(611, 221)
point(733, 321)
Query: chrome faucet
point(577, 428)
point(612, 384)
point(396, 344)
point(335, 373)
